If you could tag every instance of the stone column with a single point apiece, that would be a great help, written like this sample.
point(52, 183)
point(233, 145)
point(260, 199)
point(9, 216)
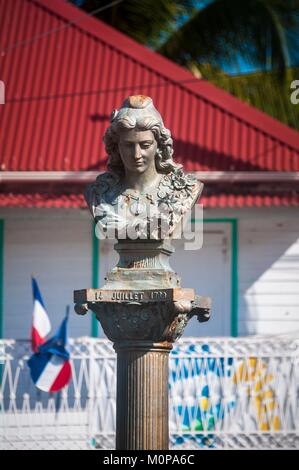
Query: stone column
point(142, 395)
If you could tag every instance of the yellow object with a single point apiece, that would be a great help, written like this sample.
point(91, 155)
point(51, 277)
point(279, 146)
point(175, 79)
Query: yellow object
point(253, 373)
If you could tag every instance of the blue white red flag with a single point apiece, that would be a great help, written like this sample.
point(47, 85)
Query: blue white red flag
point(50, 367)
point(41, 325)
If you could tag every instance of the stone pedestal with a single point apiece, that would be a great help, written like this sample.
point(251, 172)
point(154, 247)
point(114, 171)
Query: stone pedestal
point(142, 329)
point(142, 309)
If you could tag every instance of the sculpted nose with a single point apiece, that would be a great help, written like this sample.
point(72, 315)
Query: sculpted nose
point(137, 152)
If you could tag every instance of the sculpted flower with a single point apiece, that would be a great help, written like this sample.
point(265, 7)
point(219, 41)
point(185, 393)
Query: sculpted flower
point(166, 181)
point(165, 208)
point(181, 206)
point(164, 192)
point(179, 180)
point(191, 180)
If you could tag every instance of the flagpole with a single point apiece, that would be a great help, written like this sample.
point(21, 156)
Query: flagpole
point(67, 311)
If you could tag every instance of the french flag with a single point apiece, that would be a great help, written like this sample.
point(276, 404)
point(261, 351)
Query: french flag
point(41, 325)
point(50, 367)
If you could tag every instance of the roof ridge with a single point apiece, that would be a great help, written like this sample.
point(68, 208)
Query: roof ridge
point(173, 72)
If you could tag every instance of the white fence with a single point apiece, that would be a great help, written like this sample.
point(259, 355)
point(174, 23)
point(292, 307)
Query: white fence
point(224, 393)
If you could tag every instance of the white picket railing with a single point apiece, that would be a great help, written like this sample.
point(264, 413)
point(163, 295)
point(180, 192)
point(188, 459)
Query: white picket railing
point(224, 393)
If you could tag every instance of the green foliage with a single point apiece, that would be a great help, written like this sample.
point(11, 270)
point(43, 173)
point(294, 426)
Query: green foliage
point(207, 35)
point(146, 21)
point(225, 31)
point(264, 90)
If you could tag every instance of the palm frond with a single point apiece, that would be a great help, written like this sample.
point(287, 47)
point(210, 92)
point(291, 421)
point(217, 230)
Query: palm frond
point(226, 30)
point(263, 90)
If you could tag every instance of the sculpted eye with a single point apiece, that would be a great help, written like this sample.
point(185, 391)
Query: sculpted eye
point(146, 145)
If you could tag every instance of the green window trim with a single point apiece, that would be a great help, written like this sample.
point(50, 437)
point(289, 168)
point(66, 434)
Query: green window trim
point(95, 278)
point(1, 274)
point(234, 291)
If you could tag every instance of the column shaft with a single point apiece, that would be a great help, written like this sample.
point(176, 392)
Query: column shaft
point(142, 396)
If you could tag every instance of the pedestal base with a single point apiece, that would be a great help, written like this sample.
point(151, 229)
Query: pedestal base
point(142, 325)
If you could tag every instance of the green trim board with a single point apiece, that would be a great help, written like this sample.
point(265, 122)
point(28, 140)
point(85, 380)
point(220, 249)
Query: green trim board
point(234, 293)
point(95, 277)
point(1, 274)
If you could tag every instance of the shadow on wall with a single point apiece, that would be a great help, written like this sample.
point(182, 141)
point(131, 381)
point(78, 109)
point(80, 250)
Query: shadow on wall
point(269, 276)
point(194, 156)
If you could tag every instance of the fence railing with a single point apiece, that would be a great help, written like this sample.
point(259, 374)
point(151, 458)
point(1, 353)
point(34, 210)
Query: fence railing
point(224, 393)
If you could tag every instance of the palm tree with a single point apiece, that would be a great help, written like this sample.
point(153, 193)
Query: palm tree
point(223, 33)
point(234, 33)
point(213, 38)
point(264, 90)
point(146, 21)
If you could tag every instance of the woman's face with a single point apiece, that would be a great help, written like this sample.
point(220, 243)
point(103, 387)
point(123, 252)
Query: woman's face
point(137, 150)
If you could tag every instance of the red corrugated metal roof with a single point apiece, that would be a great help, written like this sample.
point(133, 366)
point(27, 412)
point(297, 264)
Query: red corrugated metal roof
point(75, 200)
point(62, 86)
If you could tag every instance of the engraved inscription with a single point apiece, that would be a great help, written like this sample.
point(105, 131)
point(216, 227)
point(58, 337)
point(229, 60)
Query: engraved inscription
point(98, 295)
point(131, 296)
point(159, 295)
point(127, 296)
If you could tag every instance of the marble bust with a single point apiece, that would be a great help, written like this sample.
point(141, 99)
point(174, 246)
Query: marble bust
point(144, 193)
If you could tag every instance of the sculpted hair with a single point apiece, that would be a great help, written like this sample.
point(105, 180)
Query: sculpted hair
point(134, 120)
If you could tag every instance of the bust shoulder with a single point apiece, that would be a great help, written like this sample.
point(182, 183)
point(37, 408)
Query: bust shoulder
point(105, 182)
point(104, 189)
point(179, 188)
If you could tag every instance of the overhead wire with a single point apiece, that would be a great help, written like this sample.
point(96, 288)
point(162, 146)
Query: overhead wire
point(37, 37)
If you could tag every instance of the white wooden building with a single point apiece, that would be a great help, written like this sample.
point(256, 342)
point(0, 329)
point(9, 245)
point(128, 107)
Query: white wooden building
point(60, 91)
